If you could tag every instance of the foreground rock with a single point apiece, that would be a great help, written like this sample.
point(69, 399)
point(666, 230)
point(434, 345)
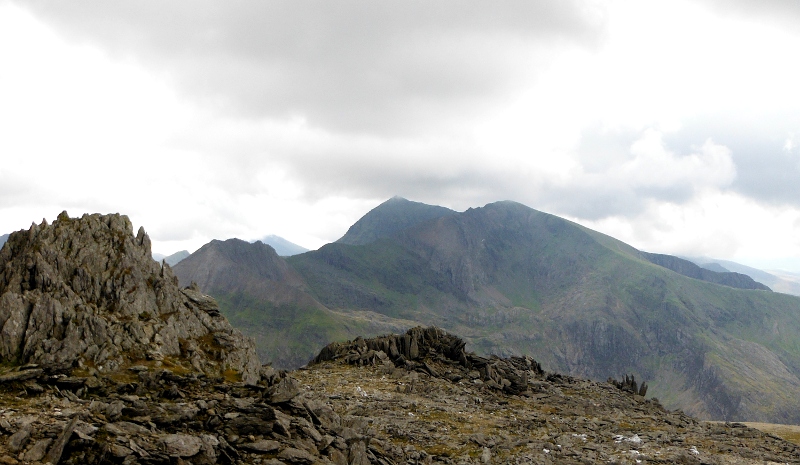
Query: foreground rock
point(84, 293)
point(355, 405)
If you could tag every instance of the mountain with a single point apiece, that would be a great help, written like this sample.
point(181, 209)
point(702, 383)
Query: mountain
point(269, 301)
point(173, 259)
point(389, 219)
point(104, 360)
point(513, 281)
point(778, 281)
point(718, 274)
point(3, 239)
point(283, 247)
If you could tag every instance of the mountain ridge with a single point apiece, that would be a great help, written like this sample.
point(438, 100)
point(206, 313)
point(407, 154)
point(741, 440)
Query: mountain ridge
point(512, 280)
point(283, 247)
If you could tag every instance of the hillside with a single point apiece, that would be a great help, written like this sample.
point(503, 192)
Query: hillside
point(3, 239)
point(513, 281)
point(269, 301)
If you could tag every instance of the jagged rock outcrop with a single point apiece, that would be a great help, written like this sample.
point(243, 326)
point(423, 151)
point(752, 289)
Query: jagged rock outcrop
point(409, 350)
point(84, 293)
point(358, 409)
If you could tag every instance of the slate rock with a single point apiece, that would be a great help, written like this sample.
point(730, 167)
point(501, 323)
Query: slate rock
point(261, 446)
point(181, 445)
point(293, 455)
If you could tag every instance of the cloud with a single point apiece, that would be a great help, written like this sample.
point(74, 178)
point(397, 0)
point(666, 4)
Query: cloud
point(354, 66)
point(650, 172)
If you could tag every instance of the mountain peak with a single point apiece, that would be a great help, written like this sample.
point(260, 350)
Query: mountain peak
point(390, 218)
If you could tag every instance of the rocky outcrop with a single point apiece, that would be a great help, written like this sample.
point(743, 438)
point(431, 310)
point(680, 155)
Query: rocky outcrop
point(358, 409)
point(83, 293)
point(410, 350)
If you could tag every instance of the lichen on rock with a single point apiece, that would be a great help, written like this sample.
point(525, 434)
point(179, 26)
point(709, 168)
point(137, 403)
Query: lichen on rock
point(85, 293)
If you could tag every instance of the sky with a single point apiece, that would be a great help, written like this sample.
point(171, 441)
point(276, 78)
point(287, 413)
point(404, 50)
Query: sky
point(671, 125)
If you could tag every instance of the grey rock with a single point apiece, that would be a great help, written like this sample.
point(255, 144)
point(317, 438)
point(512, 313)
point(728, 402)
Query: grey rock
point(54, 454)
point(181, 445)
point(293, 455)
point(284, 390)
point(358, 453)
point(18, 440)
point(38, 451)
point(262, 446)
point(85, 290)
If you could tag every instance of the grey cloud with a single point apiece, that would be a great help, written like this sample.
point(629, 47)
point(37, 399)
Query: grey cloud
point(349, 65)
point(766, 171)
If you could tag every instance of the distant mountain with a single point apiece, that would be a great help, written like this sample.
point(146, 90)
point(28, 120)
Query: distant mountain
point(692, 270)
point(3, 239)
point(283, 247)
point(514, 281)
point(173, 259)
point(777, 281)
point(389, 219)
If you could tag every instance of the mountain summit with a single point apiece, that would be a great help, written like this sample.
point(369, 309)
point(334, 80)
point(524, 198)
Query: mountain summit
point(390, 218)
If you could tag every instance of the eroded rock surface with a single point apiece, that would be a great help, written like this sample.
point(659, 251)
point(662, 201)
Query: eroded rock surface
point(84, 293)
point(360, 408)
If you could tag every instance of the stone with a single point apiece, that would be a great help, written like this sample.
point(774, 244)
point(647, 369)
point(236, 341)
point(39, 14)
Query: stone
point(17, 441)
point(54, 454)
point(181, 445)
point(486, 455)
point(283, 391)
point(262, 446)
point(38, 451)
point(358, 453)
point(293, 455)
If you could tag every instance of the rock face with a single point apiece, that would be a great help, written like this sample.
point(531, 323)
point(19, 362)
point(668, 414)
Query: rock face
point(84, 293)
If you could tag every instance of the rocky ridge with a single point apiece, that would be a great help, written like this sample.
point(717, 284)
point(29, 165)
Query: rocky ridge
point(427, 402)
point(83, 293)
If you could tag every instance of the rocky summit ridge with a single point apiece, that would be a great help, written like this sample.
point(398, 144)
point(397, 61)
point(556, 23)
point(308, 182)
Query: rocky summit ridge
point(84, 293)
point(106, 361)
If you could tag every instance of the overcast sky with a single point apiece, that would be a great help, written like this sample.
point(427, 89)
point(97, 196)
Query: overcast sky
point(674, 125)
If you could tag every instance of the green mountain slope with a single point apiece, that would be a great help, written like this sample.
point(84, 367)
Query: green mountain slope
point(515, 281)
point(259, 293)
